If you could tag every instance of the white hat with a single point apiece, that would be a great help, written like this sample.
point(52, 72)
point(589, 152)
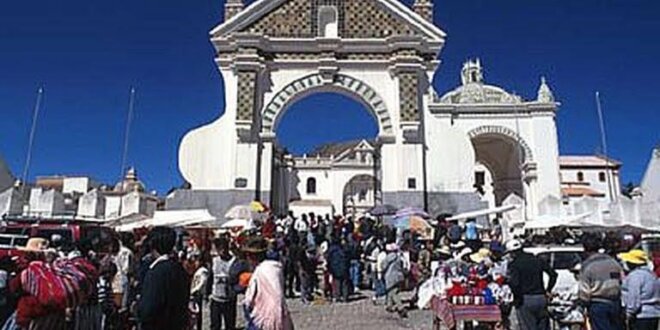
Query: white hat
point(459, 255)
point(513, 245)
point(392, 247)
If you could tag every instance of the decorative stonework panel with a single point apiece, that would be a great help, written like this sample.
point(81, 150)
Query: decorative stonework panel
point(357, 19)
point(365, 19)
point(505, 131)
point(409, 97)
point(246, 95)
point(355, 87)
point(291, 19)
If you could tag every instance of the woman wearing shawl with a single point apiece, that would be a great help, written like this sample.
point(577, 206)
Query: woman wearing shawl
point(265, 304)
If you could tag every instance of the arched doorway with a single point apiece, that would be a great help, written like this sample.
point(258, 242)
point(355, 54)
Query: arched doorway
point(501, 161)
point(321, 140)
point(359, 194)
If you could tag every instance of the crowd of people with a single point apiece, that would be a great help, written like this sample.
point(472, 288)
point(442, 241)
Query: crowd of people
point(164, 278)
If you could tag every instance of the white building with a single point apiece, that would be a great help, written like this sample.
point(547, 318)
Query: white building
point(589, 175)
point(335, 178)
point(384, 55)
point(6, 178)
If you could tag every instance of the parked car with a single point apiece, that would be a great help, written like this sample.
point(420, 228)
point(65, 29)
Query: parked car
point(563, 260)
point(16, 231)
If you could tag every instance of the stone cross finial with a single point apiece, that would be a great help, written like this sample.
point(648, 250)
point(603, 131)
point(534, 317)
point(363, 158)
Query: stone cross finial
point(545, 93)
point(424, 8)
point(233, 7)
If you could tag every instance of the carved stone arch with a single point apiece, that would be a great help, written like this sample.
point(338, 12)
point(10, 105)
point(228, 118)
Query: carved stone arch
point(354, 88)
point(505, 131)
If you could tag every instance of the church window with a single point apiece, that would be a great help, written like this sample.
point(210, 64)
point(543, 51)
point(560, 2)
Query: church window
point(601, 176)
point(311, 186)
point(580, 176)
point(240, 183)
point(479, 178)
point(412, 183)
point(362, 196)
point(328, 22)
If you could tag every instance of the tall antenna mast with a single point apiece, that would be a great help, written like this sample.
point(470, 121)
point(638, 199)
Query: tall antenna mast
point(127, 133)
point(521, 161)
point(33, 129)
point(603, 145)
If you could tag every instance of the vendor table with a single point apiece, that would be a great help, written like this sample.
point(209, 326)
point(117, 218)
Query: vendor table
point(450, 315)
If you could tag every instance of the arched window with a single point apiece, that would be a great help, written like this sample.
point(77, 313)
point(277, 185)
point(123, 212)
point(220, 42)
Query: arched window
point(328, 25)
point(362, 196)
point(601, 177)
point(311, 186)
point(580, 176)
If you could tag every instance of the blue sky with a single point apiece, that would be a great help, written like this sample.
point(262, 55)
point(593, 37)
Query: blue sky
point(87, 55)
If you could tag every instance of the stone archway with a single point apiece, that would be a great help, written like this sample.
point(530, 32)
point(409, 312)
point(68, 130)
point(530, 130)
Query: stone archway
point(344, 84)
point(359, 194)
point(507, 132)
point(506, 156)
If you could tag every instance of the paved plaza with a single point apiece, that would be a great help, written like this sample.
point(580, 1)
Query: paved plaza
point(360, 313)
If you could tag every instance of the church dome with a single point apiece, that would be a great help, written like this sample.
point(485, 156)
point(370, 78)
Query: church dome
point(475, 91)
point(130, 182)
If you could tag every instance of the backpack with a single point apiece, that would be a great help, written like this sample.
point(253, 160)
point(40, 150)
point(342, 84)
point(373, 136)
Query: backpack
point(63, 284)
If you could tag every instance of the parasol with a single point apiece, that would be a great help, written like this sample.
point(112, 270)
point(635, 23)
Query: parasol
point(412, 223)
point(241, 212)
point(383, 209)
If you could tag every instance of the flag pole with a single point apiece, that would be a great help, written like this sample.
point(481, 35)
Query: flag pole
point(33, 129)
point(127, 133)
point(124, 154)
point(603, 145)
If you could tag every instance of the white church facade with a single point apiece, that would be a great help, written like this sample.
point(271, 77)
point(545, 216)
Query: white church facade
point(468, 148)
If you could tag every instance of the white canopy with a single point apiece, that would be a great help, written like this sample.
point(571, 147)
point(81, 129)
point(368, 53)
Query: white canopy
point(483, 212)
point(238, 223)
point(172, 218)
point(551, 221)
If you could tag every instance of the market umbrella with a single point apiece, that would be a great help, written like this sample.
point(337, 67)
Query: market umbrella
point(411, 211)
point(410, 222)
point(383, 209)
point(241, 212)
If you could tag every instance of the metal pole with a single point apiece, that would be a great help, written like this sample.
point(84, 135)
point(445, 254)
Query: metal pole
point(33, 129)
point(603, 145)
point(127, 133)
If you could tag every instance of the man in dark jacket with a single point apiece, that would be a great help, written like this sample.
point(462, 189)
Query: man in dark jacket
point(165, 292)
point(525, 273)
point(338, 265)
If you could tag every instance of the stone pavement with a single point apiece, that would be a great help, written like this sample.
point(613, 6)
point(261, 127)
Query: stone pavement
point(360, 313)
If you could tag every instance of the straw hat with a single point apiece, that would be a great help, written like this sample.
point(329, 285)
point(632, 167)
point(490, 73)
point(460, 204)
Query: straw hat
point(255, 245)
point(444, 250)
point(35, 244)
point(635, 257)
point(480, 255)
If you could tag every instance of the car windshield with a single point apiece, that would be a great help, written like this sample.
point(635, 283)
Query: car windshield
point(566, 260)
